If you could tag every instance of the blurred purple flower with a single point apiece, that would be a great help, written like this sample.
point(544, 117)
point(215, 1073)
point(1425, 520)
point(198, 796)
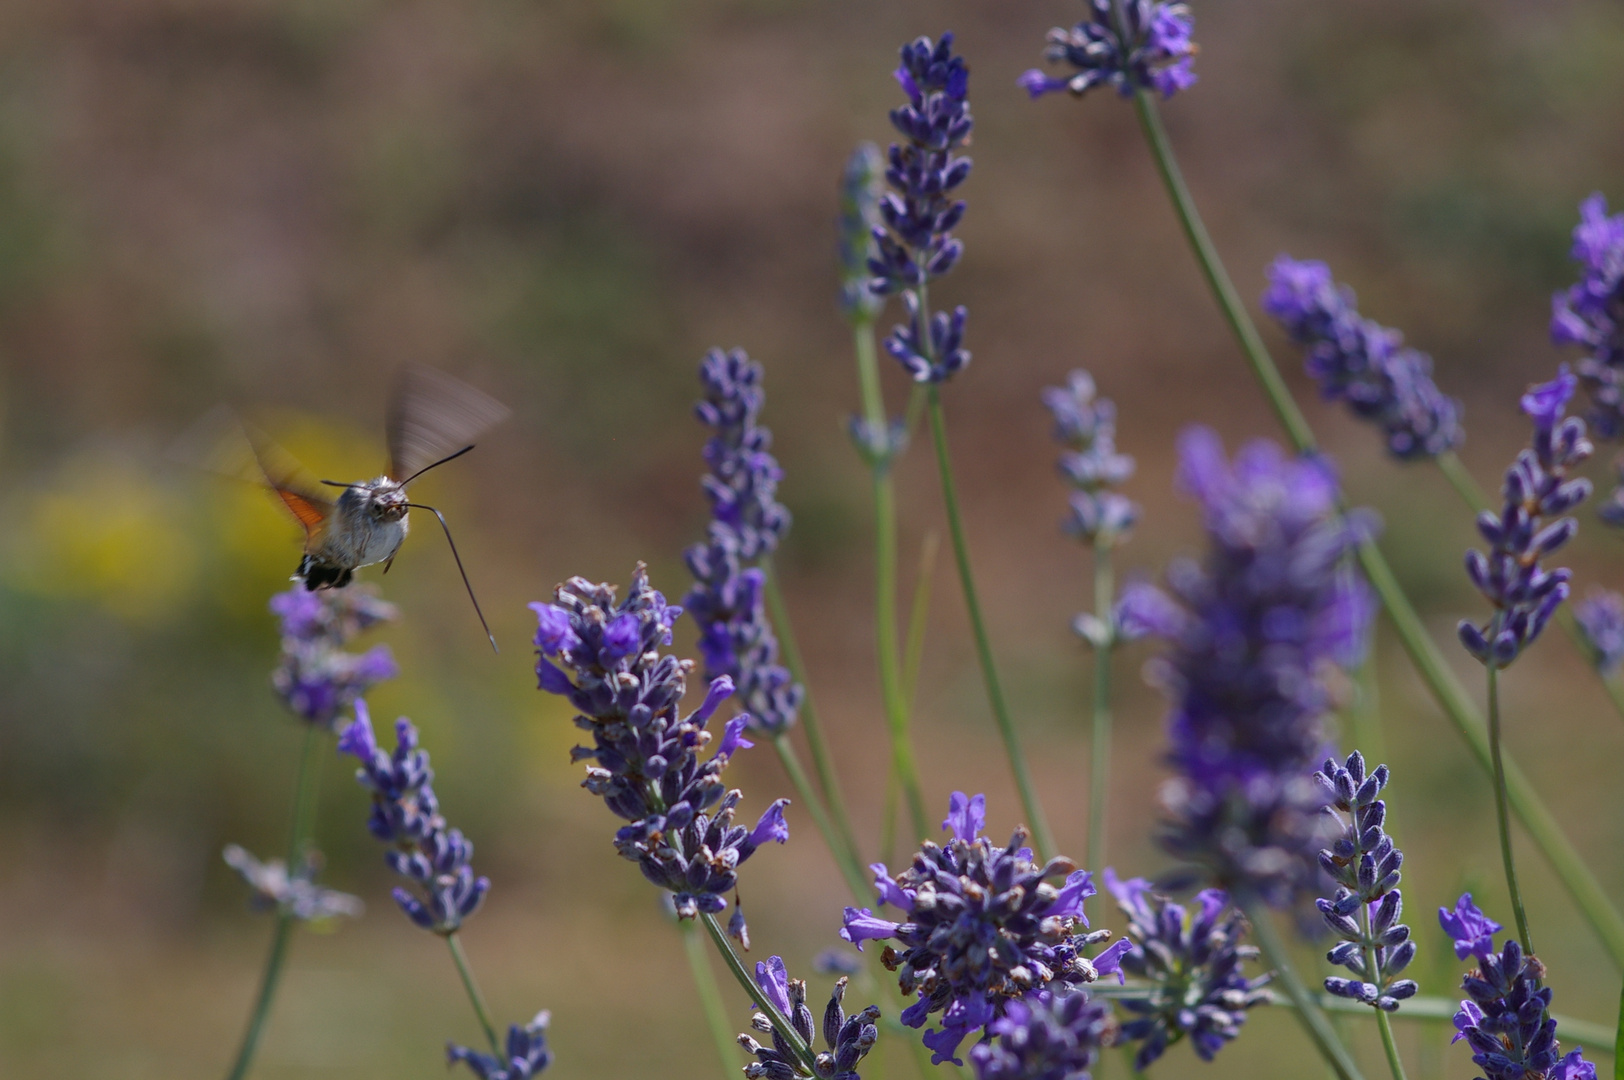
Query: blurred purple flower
point(315, 678)
point(1600, 616)
point(1590, 314)
point(1150, 50)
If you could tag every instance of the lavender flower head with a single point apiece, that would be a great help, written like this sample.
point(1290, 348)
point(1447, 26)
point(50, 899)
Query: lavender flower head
point(1538, 490)
point(296, 895)
point(1274, 603)
point(915, 241)
point(861, 186)
point(1044, 1036)
point(847, 1039)
point(1361, 362)
point(1600, 616)
point(527, 1053)
point(604, 657)
point(1149, 50)
point(1590, 314)
point(1505, 1018)
point(1365, 865)
point(1191, 960)
point(736, 637)
point(1086, 425)
point(316, 678)
point(406, 815)
point(958, 898)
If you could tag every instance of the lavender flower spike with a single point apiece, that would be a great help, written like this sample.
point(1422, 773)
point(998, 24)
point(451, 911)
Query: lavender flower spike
point(1506, 1017)
point(1361, 362)
point(1044, 1036)
point(316, 678)
point(1590, 314)
point(1365, 865)
point(1538, 491)
point(296, 894)
point(406, 815)
point(1272, 606)
point(736, 637)
point(919, 213)
point(959, 897)
point(605, 657)
point(861, 185)
point(1600, 616)
point(1192, 963)
point(847, 1039)
point(1086, 425)
point(1149, 50)
point(527, 1053)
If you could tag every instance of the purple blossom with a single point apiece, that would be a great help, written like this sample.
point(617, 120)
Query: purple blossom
point(957, 897)
point(1149, 50)
point(1600, 616)
point(648, 767)
point(527, 1053)
point(1365, 866)
point(847, 1039)
point(736, 638)
point(1274, 601)
point(315, 678)
point(1187, 963)
point(1361, 362)
point(406, 815)
point(1086, 426)
point(1590, 314)
point(1539, 489)
point(1473, 932)
point(1044, 1036)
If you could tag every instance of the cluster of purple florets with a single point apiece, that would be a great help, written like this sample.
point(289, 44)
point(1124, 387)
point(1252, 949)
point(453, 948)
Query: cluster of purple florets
point(1251, 631)
point(915, 242)
point(406, 815)
point(316, 678)
point(728, 600)
point(1047, 1035)
point(1357, 360)
point(982, 925)
point(604, 656)
point(1130, 45)
point(525, 1055)
point(847, 1039)
point(1187, 963)
point(1085, 424)
point(1590, 314)
point(1600, 617)
point(1365, 909)
point(1506, 1018)
point(1539, 489)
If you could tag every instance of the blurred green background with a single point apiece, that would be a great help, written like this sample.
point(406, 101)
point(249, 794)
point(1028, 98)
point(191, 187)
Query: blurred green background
point(276, 204)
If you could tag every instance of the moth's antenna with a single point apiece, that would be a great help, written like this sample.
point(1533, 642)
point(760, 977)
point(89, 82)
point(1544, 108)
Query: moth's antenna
point(339, 483)
point(441, 518)
point(437, 464)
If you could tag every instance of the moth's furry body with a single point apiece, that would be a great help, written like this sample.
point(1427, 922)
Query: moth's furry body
point(367, 525)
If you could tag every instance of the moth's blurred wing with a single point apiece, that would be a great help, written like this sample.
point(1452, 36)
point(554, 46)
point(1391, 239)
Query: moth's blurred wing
point(222, 443)
point(432, 415)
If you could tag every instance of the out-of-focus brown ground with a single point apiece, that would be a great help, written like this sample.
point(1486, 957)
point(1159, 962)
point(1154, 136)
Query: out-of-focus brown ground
point(276, 204)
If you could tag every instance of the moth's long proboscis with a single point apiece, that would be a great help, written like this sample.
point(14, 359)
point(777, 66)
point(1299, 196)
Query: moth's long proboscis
point(465, 582)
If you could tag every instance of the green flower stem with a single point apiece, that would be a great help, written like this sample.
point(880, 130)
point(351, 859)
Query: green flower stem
point(1308, 1011)
point(1446, 689)
point(475, 998)
point(1502, 815)
point(304, 812)
point(845, 857)
point(1618, 1041)
point(822, 760)
point(710, 999)
point(1461, 480)
point(1383, 1021)
point(989, 672)
point(779, 1021)
point(1099, 764)
point(885, 579)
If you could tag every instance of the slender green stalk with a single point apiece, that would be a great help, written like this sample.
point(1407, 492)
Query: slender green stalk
point(845, 857)
point(780, 1022)
point(475, 998)
point(989, 671)
point(1618, 1041)
point(304, 811)
point(822, 760)
point(1457, 706)
point(1383, 1021)
point(1502, 814)
point(1309, 1013)
point(710, 999)
point(1099, 765)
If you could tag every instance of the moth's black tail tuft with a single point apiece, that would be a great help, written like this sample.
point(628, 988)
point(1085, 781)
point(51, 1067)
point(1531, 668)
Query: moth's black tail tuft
point(320, 575)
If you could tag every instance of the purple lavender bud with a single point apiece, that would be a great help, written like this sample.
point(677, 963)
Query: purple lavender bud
point(1472, 931)
point(1148, 49)
point(316, 679)
point(1362, 362)
point(934, 355)
point(1086, 427)
point(1274, 603)
point(1538, 490)
point(527, 1053)
point(1045, 1036)
point(1189, 965)
point(940, 950)
point(848, 1039)
point(1590, 314)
